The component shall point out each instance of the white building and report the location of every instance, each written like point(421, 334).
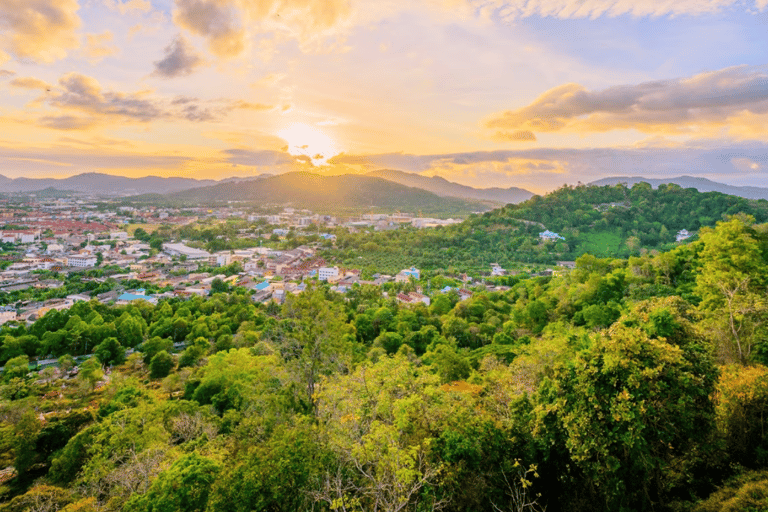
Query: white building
point(683, 234)
point(325, 273)
point(118, 235)
point(81, 261)
point(184, 250)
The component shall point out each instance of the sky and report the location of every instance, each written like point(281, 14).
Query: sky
point(486, 93)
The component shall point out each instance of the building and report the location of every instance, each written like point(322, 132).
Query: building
point(184, 250)
point(81, 261)
point(405, 275)
point(683, 234)
point(118, 235)
point(548, 235)
point(326, 273)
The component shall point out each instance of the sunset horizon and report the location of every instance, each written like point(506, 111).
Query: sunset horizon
point(498, 93)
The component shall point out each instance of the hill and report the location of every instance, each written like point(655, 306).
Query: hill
point(604, 221)
point(105, 184)
point(445, 188)
point(330, 194)
point(700, 184)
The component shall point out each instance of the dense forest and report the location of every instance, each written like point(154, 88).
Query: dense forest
point(625, 384)
point(609, 221)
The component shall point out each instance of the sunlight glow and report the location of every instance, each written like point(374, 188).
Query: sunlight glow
point(308, 141)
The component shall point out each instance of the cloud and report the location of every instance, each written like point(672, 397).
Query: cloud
point(84, 93)
point(94, 105)
point(4, 73)
point(226, 24)
point(511, 10)
point(97, 46)
point(259, 158)
point(543, 169)
point(67, 122)
point(39, 30)
point(29, 83)
point(124, 7)
point(41, 161)
point(685, 105)
point(180, 59)
point(247, 105)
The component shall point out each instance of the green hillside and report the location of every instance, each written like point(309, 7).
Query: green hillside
point(604, 221)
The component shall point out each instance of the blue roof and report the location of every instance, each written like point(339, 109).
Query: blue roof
point(262, 286)
point(133, 296)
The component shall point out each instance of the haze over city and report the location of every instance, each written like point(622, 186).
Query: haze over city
point(483, 93)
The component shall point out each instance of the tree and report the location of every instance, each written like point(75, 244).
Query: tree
point(66, 363)
point(110, 352)
point(90, 372)
point(154, 345)
point(161, 365)
point(18, 367)
point(628, 406)
point(317, 339)
point(184, 486)
point(732, 284)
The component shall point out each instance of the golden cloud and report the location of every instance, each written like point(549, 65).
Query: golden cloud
point(29, 83)
point(226, 24)
point(97, 46)
point(698, 105)
point(39, 30)
point(569, 9)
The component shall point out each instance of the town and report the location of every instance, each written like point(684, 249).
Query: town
point(109, 249)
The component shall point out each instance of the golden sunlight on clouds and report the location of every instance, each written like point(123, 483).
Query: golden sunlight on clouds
point(733, 98)
point(39, 30)
point(305, 141)
point(226, 24)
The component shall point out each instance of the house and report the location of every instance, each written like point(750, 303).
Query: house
point(548, 236)
point(412, 298)
point(496, 270)
point(81, 261)
point(326, 273)
point(405, 275)
point(464, 294)
point(261, 286)
point(683, 234)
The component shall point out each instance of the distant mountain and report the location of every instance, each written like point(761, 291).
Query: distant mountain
point(329, 193)
point(106, 184)
point(700, 184)
point(445, 188)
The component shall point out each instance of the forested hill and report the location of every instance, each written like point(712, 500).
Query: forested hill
point(617, 213)
point(331, 194)
point(609, 221)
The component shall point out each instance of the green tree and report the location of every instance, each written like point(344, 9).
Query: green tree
point(732, 284)
point(185, 486)
point(160, 365)
point(18, 367)
point(90, 372)
point(110, 352)
point(629, 406)
point(317, 339)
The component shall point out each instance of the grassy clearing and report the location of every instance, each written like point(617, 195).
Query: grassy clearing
point(601, 244)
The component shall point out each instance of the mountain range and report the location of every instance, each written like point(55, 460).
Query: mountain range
point(444, 188)
point(105, 184)
point(700, 184)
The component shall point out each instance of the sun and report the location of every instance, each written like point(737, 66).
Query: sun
point(308, 141)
